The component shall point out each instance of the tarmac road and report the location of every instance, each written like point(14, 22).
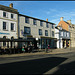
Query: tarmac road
point(63, 63)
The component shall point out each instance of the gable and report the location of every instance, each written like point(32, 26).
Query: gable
point(64, 25)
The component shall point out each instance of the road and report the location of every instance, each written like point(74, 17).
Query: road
point(39, 64)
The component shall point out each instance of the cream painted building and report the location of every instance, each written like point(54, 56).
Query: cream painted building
point(41, 31)
point(8, 24)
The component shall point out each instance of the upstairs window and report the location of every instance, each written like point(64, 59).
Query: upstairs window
point(61, 33)
point(4, 14)
point(27, 30)
point(41, 23)
point(52, 33)
point(12, 16)
point(4, 25)
point(26, 20)
point(52, 26)
point(12, 26)
point(47, 25)
point(40, 31)
point(34, 22)
point(46, 32)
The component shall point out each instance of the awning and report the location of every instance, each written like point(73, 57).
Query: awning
point(4, 40)
point(21, 40)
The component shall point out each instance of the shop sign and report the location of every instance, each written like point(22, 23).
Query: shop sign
point(4, 33)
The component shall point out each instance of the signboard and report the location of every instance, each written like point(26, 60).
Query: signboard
point(4, 33)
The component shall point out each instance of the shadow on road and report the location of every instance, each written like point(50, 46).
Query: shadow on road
point(68, 68)
point(38, 66)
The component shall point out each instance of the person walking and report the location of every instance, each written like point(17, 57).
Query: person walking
point(23, 49)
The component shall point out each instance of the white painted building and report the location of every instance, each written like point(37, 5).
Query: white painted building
point(8, 23)
point(63, 37)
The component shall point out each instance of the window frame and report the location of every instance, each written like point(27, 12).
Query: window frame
point(13, 27)
point(12, 17)
point(40, 31)
point(47, 25)
point(52, 33)
point(34, 22)
point(27, 20)
point(25, 30)
point(46, 32)
point(41, 23)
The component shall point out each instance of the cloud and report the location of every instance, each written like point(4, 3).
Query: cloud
point(67, 14)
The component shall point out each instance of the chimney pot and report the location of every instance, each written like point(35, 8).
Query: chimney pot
point(47, 19)
point(61, 18)
point(11, 5)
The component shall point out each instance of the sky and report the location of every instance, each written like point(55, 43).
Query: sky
point(52, 10)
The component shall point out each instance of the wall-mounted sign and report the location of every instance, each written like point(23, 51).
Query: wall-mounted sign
point(4, 33)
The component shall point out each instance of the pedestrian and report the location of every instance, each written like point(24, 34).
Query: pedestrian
point(23, 49)
point(29, 48)
point(48, 46)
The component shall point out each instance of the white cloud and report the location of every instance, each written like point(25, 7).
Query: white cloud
point(68, 15)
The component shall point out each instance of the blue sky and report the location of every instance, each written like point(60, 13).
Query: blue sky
point(52, 10)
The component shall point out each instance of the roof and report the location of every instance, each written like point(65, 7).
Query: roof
point(37, 19)
point(9, 9)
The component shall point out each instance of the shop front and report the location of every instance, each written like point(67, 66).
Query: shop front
point(44, 42)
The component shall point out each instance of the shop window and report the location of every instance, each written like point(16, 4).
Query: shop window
point(4, 43)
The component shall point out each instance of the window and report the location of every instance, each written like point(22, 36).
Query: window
point(52, 33)
point(12, 26)
point(47, 25)
point(67, 34)
point(26, 20)
point(4, 14)
point(40, 31)
point(4, 43)
point(41, 23)
point(4, 25)
point(12, 16)
point(34, 22)
point(26, 30)
point(61, 33)
point(52, 26)
point(46, 32)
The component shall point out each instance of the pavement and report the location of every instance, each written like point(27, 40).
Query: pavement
point(42, 51)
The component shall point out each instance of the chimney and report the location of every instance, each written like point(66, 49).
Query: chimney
point(61, 18)
point(69, 21)
point(11, 5)
point(47, 19)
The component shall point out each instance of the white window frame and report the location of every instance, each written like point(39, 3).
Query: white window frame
point(6, 14)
